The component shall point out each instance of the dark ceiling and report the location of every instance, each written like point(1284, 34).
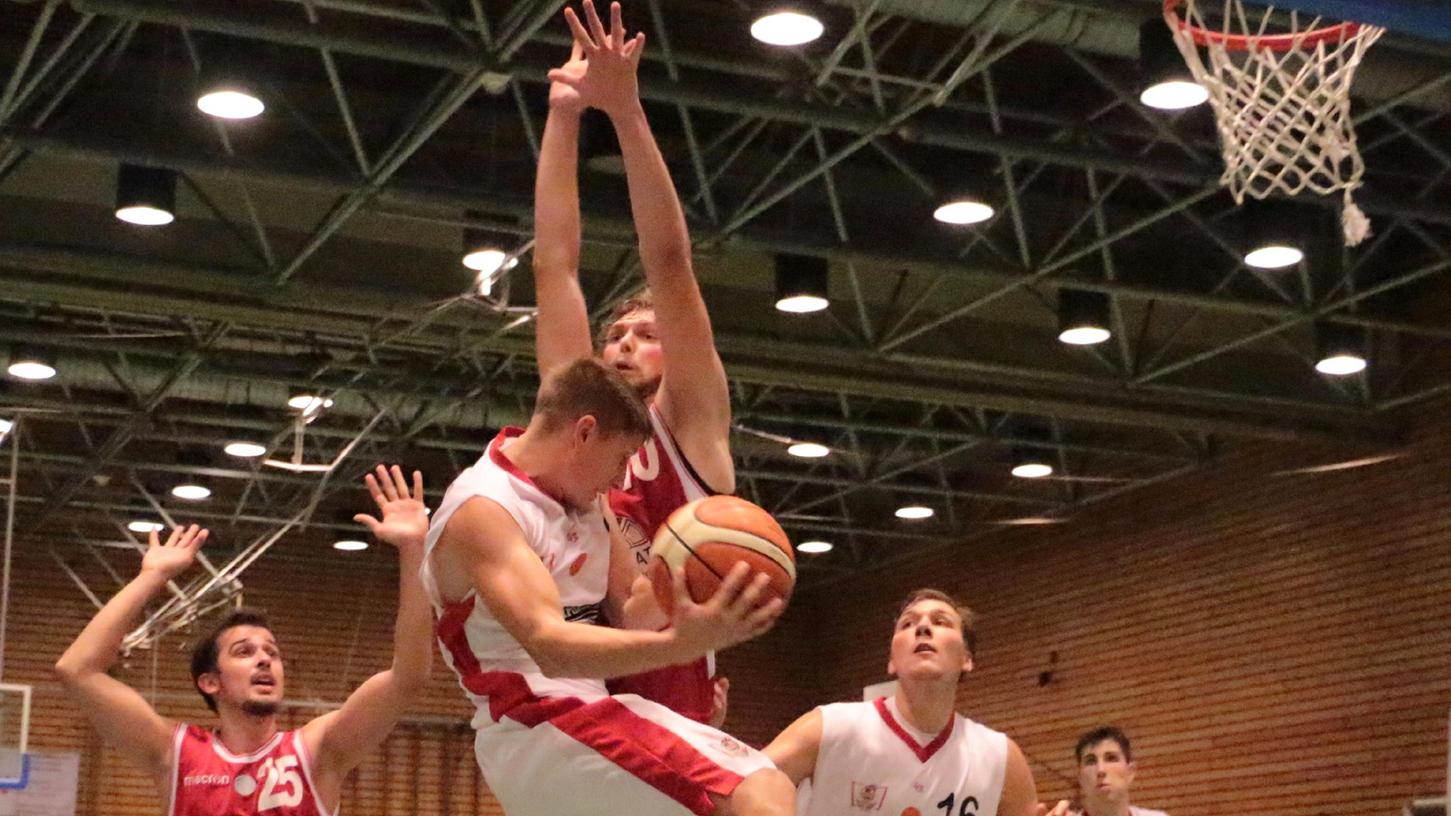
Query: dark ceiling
point(317, 248)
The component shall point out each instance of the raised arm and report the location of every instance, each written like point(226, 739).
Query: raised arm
point(483, 540)
point(562, 333)
point(694, 396)
point(341, 739)
point(794, 750)
point(118, 712)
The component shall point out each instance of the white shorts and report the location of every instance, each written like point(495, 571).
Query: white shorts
point(619, 755)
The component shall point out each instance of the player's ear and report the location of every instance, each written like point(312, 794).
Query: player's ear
point(585, 429)
point(209, 683)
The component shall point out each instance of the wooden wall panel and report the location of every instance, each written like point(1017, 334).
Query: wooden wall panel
point(1274, 644)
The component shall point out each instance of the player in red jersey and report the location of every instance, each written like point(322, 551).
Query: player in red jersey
point(246, 765)
point(661, 342)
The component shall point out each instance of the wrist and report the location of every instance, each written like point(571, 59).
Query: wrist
point(628, 113)
point(152, 577)
point(566, 113)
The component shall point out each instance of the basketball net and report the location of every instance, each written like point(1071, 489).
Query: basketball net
point(1281, 99)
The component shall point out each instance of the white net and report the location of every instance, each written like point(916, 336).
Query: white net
point(1279, 84)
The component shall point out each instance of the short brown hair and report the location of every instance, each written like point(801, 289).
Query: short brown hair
point(588, 387)
point(205, 653)
point(640, 301)
point(969, 618)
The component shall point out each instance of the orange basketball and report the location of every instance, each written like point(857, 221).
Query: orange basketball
point(708, 537)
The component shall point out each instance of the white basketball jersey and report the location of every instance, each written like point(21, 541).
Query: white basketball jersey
point(870, 763)
point(573, 545)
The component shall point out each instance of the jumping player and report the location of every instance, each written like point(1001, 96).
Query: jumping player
point(661, 342)
point(245, 765)
point(520, 565)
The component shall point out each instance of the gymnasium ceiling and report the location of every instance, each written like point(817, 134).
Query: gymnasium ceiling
point(317, 249)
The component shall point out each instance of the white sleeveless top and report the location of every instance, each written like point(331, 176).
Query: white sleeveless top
point(870, 762)
point(493, 668)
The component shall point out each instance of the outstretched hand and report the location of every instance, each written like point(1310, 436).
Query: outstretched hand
point(563, 95)
point(177, 554)
point(608, 80)
point(404, 521)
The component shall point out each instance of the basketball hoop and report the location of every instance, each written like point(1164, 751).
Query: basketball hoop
point(1280, 90)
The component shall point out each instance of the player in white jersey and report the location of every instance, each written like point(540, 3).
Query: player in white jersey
point(520, 564)
point(910, 754)
point(1106, 771)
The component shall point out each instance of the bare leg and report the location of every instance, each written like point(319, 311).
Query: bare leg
point(764, 793)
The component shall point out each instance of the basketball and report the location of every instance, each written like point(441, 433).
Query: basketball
point(708, 537)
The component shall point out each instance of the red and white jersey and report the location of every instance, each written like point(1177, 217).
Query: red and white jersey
point(658, 481)
point(870, 762)
point(574, 545)
point(209, 780)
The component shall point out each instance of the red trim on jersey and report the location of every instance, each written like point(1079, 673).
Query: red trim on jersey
point(496, 455)
point(923, 752)
point(454, 637)
point(649, 751)
point(654, 754)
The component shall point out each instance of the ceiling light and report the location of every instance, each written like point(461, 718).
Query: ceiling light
point(814, 547)
point(145, 196)
point(914, 512)
point(145, 527)
point(31, 364)
point(1030, 521)
point(192, 491)
point(230, 103)
point(308, 404)
point(1167, 83)
point(1341, 350)
point(808, 450)
point(963, 211)
point(801, 283)
point(1083, 317)
point(786, 27)
point(350, 545)
point(5, 427)
point(1032, 462)
point(1273, 256)
point(1273, 232)
point(244, 449)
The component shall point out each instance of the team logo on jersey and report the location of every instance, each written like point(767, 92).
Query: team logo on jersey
point(867, 797)
point(732, 747)
point(636, 538)
point(911, 811)
point(578, 564)
point(245, 785)
point(206, 779)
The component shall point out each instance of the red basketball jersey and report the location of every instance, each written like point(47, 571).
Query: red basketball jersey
point(659, 480)
point(209, 780)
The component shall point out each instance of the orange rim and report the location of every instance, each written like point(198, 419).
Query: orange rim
point(1249, 42)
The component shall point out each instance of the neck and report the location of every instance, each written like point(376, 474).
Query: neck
point(926, 707)
point(539, 456)
point(1100, 806)
point(244, 733)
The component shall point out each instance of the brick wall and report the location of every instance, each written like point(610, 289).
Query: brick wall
point(1274, 644)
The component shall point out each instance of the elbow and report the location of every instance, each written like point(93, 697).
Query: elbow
point(673, 257)
point(551, 661)
point(67, 671)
